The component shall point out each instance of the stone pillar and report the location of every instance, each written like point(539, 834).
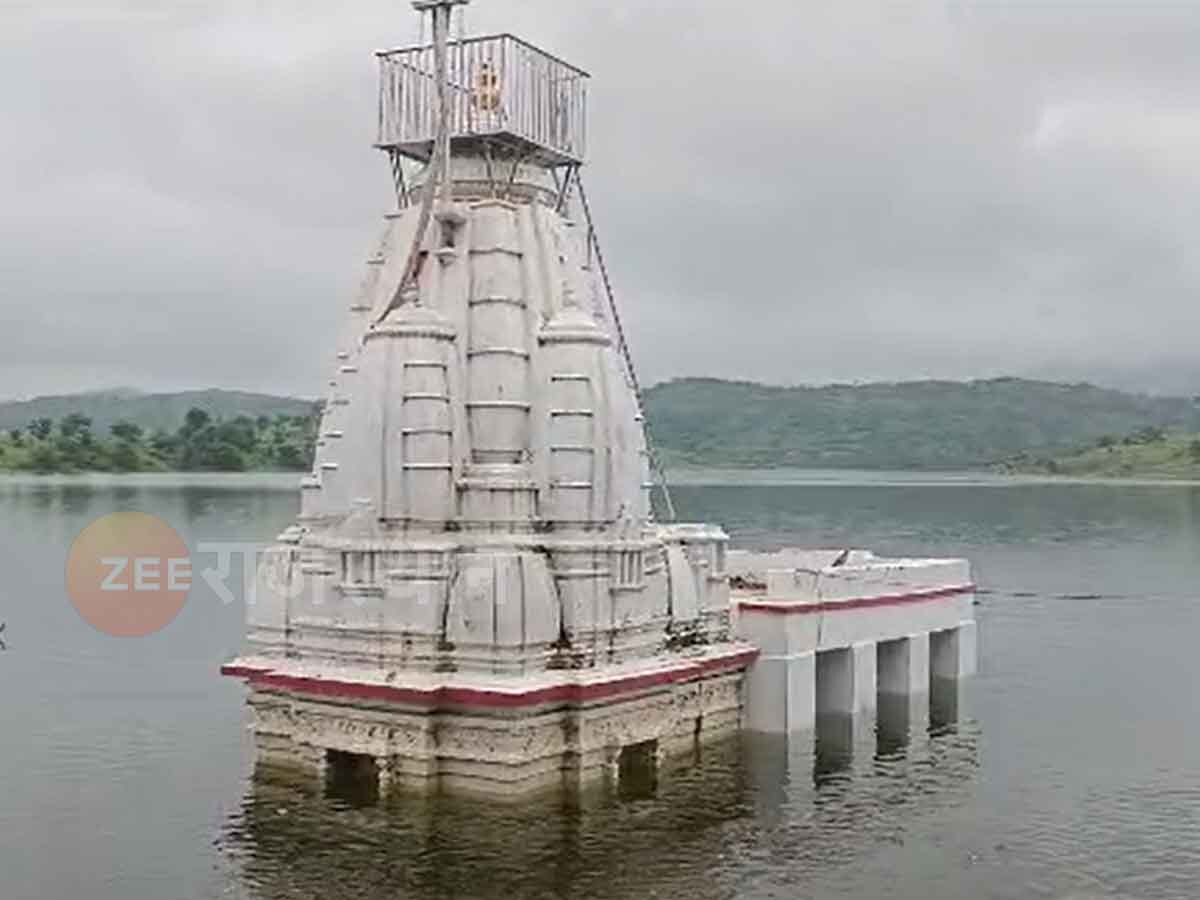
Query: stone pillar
point(903, 666)
point(385, 775)
point(953, 652)
point(866, 682)
point(846, 680)
point(781, 693)
point(781, 685)
point(968, 649)
point(918, 664)
point(835, 682)
point(313, 759)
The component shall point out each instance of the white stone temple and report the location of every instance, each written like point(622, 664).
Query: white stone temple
point(476, 595)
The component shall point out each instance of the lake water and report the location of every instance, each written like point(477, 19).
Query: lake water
point(1070, 768)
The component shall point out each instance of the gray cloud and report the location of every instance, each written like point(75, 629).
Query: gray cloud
point(807, 193)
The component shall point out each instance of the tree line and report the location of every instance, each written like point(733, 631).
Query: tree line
point(201, 444)
point(1148, 450)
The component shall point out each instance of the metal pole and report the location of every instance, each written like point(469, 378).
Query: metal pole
point(439, 162)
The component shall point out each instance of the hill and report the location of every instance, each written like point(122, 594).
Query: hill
point(1018, 423)
point(1148, 453)
point(910, 425)
point(153, 412)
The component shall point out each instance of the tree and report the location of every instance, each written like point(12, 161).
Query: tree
point(290, 457)
point(75, 444)
point(165, 447)
point(240, 433)
point(124, 457)
point(127, 432)
point(125, 454)
point(44, 459)
point(225, 458)
point(41, 428)
point(1148, 435)
point(75, 426)
point(196, 420)
point(1194, 449)
point(202, 442)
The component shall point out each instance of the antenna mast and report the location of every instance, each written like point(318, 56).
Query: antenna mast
point(437, 181)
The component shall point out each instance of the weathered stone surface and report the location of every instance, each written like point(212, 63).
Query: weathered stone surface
point(479, 508)
point(475, 595)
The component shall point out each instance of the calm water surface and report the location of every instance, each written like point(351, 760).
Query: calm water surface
point(1071, 768)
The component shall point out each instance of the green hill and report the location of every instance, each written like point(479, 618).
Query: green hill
point(1147, 453)
point(153, 412)
point(175, 432)
point(911, 425)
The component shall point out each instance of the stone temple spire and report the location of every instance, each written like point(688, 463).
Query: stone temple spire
point(475, 591)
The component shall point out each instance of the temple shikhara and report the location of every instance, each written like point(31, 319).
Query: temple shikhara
point(486, 589)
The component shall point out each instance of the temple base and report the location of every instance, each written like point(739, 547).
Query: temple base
point(567, 732)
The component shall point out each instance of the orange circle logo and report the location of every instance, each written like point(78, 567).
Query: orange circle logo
point(128, 574)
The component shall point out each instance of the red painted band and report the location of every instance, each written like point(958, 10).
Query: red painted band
point(794, 608)
point(477, 697)
point(245, 672)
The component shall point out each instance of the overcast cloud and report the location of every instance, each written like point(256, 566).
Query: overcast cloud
point(808, 192)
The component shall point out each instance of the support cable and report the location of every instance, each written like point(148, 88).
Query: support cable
point(439, 163)
point(627, 357)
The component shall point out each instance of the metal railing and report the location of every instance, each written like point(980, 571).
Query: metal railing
point(500, 87)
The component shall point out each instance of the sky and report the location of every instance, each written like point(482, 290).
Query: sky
point(790, 192)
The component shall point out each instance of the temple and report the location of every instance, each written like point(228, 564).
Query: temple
point(477, 594)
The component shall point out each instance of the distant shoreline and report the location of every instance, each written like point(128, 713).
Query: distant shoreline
point(678, 477)
point(784, 476)
point(1028, 428)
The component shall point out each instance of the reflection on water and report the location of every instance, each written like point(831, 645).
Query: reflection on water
point(1068, 768)
point(945, 706)
point(894, 719)
point(696, 831)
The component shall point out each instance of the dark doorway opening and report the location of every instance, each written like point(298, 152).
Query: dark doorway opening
point(351, 777)
point(637, 770)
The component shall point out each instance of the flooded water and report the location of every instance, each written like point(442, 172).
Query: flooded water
point(1070, 769)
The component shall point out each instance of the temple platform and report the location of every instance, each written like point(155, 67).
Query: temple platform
point(838, 632)
point(817, 634)
point(493, 735)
